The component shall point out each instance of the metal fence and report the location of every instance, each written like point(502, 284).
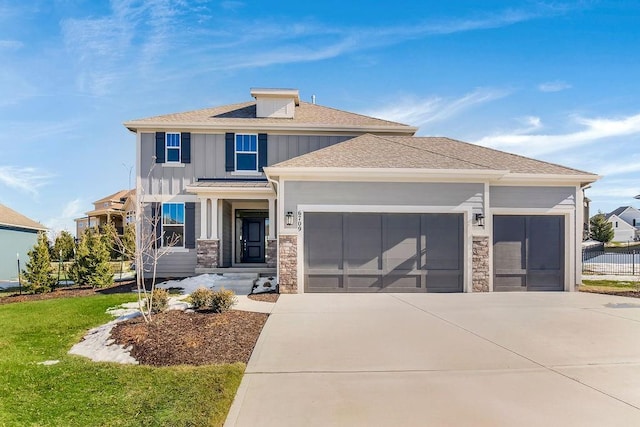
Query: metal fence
point(624, 263)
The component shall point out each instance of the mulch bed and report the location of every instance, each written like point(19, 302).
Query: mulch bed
point(191, 338)
point(264, 297)
point(71, 291)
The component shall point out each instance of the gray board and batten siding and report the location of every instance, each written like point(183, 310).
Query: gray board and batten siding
point(180, 262)
point(430, 195)
point(532, 197)
point(207, 159)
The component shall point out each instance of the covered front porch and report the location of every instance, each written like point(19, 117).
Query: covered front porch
point(236, 227)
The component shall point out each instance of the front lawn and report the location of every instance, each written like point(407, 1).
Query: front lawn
point(78, 392)
point(613, 287)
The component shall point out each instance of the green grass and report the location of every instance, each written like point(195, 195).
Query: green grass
point(609, 285)
point(78, 392)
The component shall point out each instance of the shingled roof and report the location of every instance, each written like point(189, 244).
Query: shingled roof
point(239, 116)
point(11, 218)
point(371, 151)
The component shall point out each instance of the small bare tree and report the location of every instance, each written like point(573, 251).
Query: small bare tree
point(151, 244)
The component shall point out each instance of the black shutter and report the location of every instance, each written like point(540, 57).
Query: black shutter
point(230, 152)
point(190, 225)
point(160, 146)
point(262, 151)
point(156, 223)
point(185, 149)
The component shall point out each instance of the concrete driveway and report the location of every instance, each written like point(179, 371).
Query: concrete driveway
point(445, 359)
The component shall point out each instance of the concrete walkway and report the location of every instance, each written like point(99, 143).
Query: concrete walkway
point(500, 359)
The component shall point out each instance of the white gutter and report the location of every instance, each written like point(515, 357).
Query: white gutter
point(264, 127)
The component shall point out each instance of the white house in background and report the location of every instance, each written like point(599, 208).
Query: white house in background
point(626, 223)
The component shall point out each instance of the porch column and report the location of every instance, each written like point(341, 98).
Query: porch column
point(272, 219)
point(203, 218)
point(214, 219)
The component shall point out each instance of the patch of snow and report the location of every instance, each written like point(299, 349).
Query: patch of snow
point(264, 284)
point(98, 345)
point(49, 362)
point(190, 284)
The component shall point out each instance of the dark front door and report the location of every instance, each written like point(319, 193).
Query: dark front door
point(253, 240)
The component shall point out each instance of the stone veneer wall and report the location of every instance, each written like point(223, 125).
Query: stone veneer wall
point(208, 253)
point(288, 270)
point(480, 264)
point(271, 257)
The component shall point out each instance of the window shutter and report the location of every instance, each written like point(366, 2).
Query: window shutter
point(160, 146)
point(156, 223)
point(190, 225)
point(262, 151)
point(230, 152)
point(185, 149)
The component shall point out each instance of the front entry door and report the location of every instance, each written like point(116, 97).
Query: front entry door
point(252, 240)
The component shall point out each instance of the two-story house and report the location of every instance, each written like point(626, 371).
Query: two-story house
point(116, 208)
point(333, 201)
point(626, 223)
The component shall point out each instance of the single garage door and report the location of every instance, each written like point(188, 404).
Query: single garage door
point(528, 252)
point(376, 252)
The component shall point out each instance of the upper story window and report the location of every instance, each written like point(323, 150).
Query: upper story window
point(246, 152)
point(173, 147)
point(173, 224)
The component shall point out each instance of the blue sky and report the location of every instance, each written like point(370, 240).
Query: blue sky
point(553, 80)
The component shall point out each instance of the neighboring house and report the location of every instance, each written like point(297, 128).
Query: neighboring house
point(112, 208)
point(333, 201)
point(626, 223)
point(18, 234)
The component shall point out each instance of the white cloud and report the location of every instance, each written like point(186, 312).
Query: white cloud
point(140, 36)
point(64, 221)
point(418, 112)
point(555, 86)
point(593, 129)
point(27, 180)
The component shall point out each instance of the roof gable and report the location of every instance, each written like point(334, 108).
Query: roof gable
point(12, 218)
point(243, 115)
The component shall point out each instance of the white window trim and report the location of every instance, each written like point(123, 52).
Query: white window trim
point(166, 148)
point(184, 230)
point(235, 155)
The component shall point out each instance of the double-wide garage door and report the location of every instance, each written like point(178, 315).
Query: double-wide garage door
point(378, 252)
point(528, 252)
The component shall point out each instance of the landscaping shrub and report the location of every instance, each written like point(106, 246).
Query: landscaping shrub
point(38, 272)
point(201, 298)
point(91, 266)
point(159, 300)
point(222, 300)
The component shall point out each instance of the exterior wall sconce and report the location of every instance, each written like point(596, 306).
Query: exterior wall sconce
point(479, 220)
point(288, 219)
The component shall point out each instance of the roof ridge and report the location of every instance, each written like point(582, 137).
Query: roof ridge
point(355, 114)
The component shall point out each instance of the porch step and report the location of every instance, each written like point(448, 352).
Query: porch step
point(239, 283)
point(262, 271)
point(240, 276)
